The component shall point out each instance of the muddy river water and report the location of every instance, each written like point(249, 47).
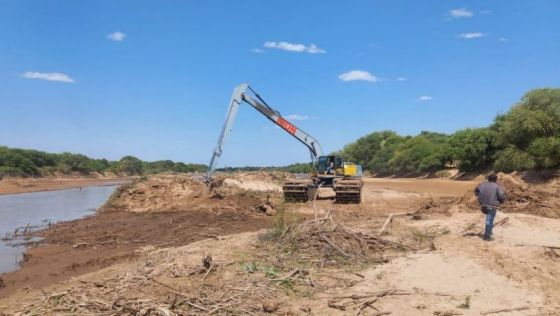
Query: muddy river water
point(37, 209)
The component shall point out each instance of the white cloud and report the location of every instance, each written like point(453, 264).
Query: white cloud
point(298, 48)
point(485, 11)
point(402, 79)
point(313, 49)
point(503, 39)
point(49, 76)
point(461, 13)
point(425, 98)
point(358, 75)
point(257, 50)
point(297, 117)
point(472, 35)
point(116, 36)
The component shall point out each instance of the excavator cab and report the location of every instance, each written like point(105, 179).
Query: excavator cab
point(330, 165)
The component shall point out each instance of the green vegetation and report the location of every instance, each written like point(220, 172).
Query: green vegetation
point(294, 168)
point(32, 163)
point(526, 137)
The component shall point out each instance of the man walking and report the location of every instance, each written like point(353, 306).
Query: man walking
point(490, 196)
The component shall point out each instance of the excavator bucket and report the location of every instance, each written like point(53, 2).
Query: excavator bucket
point(299, 190)
point(348, 190)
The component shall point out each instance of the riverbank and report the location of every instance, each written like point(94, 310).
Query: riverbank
point(24, 185)
point(411, 247)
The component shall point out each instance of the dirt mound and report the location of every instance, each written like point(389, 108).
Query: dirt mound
point(258, 181)
point(272, 177)
point(522, 197)
point(252, 185)
point(181, 192)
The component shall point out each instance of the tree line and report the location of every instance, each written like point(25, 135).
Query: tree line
point(33, 163)
point(526, 137)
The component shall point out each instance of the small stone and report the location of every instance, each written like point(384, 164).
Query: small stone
point(270, 307)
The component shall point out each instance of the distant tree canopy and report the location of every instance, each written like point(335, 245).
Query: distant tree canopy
point(526, 137)
point(294, 168)
point(29, 163)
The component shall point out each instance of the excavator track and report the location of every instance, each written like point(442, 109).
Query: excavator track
point(348, 191)
point(299, 190)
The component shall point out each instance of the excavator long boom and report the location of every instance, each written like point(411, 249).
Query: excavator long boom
point(242, 93)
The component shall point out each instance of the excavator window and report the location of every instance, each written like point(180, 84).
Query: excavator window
point(338, 162)
point(325, 161)
point(323, 164)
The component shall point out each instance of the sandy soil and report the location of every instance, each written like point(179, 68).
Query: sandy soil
point(22, 185)
point(143, 254)
point(435, 187)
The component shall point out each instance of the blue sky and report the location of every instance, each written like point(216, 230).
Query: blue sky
point(153, 78)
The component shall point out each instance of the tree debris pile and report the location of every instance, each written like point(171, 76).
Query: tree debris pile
point(141, 296)
point(539, 200)
point(163, 289)
point(327, 242)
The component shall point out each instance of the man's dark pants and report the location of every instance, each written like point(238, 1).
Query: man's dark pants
point(490, 212)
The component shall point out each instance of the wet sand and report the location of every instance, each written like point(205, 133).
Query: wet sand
point(19, 185)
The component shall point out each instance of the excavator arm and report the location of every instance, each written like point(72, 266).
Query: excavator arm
point(244, 93)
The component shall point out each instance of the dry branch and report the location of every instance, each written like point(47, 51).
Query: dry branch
point(389, 220)
point(503, 310)
point(335, 247)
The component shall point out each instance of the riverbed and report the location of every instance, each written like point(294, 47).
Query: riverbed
point(36, 210)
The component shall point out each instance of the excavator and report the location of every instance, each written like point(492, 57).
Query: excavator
point(345, 178)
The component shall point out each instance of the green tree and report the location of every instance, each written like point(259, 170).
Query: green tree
point(545, 151)
point(15, 161)
point(159, 166)
point(363, 150)
point(513, 159)
point(68, 162)
point(97, 165)
point(379, 163)
point(419, 154)
point(473, 148)
point(537, 115)
point(130, 165)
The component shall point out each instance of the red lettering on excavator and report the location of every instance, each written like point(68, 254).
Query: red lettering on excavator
point(286, 125)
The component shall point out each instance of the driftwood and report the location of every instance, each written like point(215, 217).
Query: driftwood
point(335, 247)
point(387, 222)
point(501, 222)
point(503, 310)
point(364, 300)
point(292, 274)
